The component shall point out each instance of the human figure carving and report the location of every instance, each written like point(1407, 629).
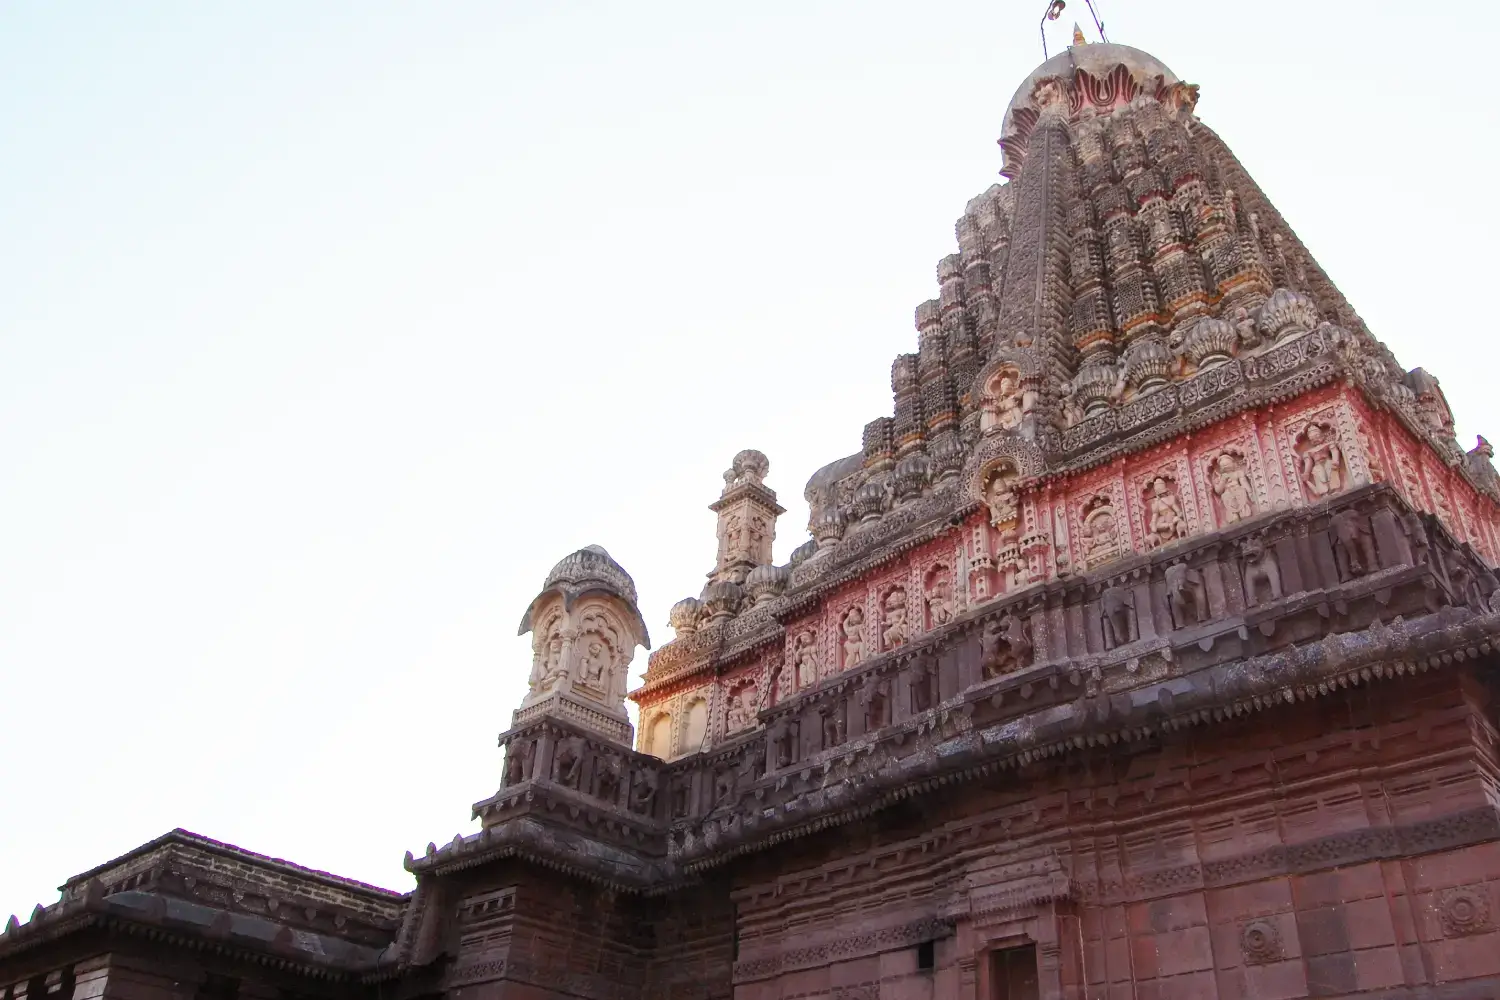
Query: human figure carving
point(1232, 486)
point(549, 671)
point(895, 632)
point(853, 627)
point(596, 661)
point(643, 792)
point(1353, 544)
point(1100, 533)
point(569, 764)
point(741, 708)
point(1165, 522)
point(1185, 595)
point(1261, 572)
point(999, 497)
point(805, 657)
point(1322, 462)
point(1114, 616)
point(939, 597)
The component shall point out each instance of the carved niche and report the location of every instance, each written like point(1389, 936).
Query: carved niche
point(922, 683)
point(875, 699)
point(1320, 459)
point(1116, 616)
point(599, 645)
point(1100, 534)
point(1005, 399)
point(938, 596)
point(743, 703)
point(1229, 477)
point(1162, 503)
point(783, 738)
point(518, 761)
point(567, 765)
point(548, 666)
point(607, 778)
point(896, 629)
point(1186, 597)
point(643, 792)
point(1353, 544)
point(831, 719)
point(1262, 575)
point(1000, 493)
point(852, 632)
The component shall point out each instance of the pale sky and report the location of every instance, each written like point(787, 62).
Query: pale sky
point(327, 328)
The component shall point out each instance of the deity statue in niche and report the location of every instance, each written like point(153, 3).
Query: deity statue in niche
point(1007, 401)
point(1321, 461)
point(939, 596)
point(896, 631)
point(741, 710)
point(1100, 531)
point(1164, 520)
point(595, 662)
point(548, 670)
point(1000, 495)
point(805, 659)
point(853, 627)
point(1231, 485)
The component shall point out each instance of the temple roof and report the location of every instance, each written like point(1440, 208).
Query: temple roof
point(590, 570)
point(1098, 61)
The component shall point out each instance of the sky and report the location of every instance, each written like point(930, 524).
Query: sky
point(327, 329)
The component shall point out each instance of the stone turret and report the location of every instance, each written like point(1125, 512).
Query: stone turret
point(585, 626)
point(747, 512)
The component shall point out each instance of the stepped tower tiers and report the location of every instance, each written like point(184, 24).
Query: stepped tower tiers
point(1148, 648)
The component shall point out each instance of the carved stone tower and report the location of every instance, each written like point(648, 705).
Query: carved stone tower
point(585, 627)
point(747, 512)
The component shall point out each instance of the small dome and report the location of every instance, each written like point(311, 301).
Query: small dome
point(765, 582)
point(684, 615)
point(590, 570)
point(1097, 60)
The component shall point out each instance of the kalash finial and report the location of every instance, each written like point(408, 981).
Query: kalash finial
point(1078, 38)
point(1054, 11)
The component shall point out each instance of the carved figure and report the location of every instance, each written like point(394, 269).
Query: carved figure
point(895, 632)
point(518, 762)
point(741, 710)
point(1008, 403)
point(999, 496)
point(784, 740)
point(724, 787)
point(875, 696)
point(643, 792)
point(679, 799)
point(1101, 540)
point(922, 684)
point(832, 719)
point(549, 670)
point(568, 766)
point(939, 597)
point(1353, 544)
point(1416, 533)
point(1115, 607)
point(1232, 486)
point(853, 627)
point(1185, 595)
point(1322, 462)
point(596, 660)
point(805, 657)
point(1165, 522)
point(1261, 571)
point(1005, 646)
point(607, 780)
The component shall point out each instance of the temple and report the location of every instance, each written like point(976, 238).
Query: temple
point(1144, 649)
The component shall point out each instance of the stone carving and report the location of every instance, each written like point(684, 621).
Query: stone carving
point(607, 777)
point(684, 616)
point(518, 761)
point(548, 669)
point(1000, 496)
point(895, 632)
point(741, 710)
point(1005, 646)
point(1260, 941)
point(681, 799)
point(938, 596)
point(1261, 572)
point(1415, 527)
point(853, 629)
point(783, 736)
point(875, 698)
point(1231, 486)
point(1185, 595)
point(725, 787)
point(1464, 910)
point(643, 792)
point(1007, 401)
point(831, 720)
point(805, 659)
point(568, 765)
point(1320, 460)
point(1100, 533)
point(1116, 614)
point(1353, 544)
point(1164, 520)
point(748, 467)
point(923, 684)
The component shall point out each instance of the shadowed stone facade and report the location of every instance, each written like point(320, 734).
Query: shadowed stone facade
point(1146, 649)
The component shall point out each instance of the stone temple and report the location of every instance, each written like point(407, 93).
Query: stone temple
point(1143, 650)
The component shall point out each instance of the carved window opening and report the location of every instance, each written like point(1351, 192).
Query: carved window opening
point(695, 731)
point(1013, 974)
point(926, 956)
point(659, 736)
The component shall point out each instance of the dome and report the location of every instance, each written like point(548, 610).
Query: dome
point(590, 570)
point(1097, 60)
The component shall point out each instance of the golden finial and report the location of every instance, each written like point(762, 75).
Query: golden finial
point(1078, 38)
